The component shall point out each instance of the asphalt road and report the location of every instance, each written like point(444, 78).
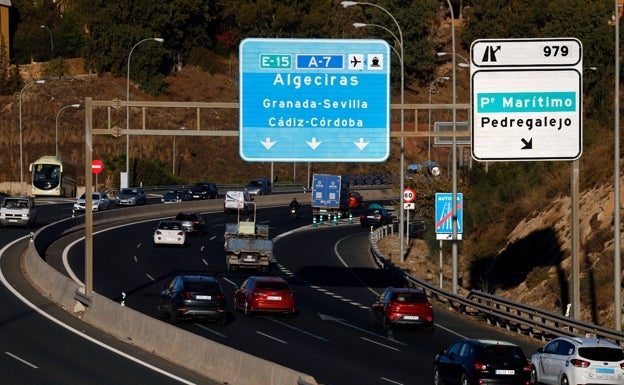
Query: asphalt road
point(334, 280)
point(43, 344)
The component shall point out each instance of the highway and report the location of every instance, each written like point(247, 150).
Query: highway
point(43, 344)
point(334, 280)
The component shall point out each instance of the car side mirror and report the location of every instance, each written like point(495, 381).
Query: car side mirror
point(540, 350)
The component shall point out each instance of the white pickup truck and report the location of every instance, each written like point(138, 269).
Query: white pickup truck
point(18, 211)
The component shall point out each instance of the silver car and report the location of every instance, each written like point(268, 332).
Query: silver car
point(131, 196)
point(99, 202)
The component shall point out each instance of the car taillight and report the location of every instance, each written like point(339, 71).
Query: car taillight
point(579, 363)
point(158, 232)
point(622, 366)
point(526, 368)
point(185, 295)
point(479, 366)
point(180, 233)
point(195, 222)
point(219, 296)
point(362, 216)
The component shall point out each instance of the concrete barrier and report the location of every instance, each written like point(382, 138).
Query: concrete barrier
point(211, 359)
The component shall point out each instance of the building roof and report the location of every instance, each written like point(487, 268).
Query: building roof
point(6, 3)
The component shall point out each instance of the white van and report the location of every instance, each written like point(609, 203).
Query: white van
point(18, 211)
point(238, 200)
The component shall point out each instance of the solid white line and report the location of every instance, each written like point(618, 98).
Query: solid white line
point(380, 344)
point(150, 277)
point(299, 330)
point(271, 337)
point(22, 360)
point(393, 382)
point(77, 332)
point(211, 330)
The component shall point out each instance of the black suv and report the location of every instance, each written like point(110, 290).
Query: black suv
point(193, 296)
point(468, 361)
point(204, 190)
point(192, 222)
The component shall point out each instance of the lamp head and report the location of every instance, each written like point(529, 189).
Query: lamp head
point(348, 3)
point(442, 53)
point(76, 105)
point(359, 25)
point(159, 39)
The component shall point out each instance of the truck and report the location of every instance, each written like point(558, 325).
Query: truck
point(330, 194)
point(247, 245)
point(237, 201)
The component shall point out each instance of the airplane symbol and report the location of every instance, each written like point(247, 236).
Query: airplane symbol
point(355, 61)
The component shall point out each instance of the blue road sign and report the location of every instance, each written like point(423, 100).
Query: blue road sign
point(444, 213)
point(314, 100)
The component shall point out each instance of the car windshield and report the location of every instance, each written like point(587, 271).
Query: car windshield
point(598, 353)
point(254, 183)
point(129, 191)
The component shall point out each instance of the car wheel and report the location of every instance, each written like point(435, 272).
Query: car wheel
point(161, 311)
point(436, 376)
point(564, 380)
point(222, 321)
point(464, 380)
point(246, 309)
point(175, 317)
point(533, 379)
point(385, 324)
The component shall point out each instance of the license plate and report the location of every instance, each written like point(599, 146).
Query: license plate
point(505, 372)
point(411, 317)
point(274, 298)
point(203, 297)
point(605, 370)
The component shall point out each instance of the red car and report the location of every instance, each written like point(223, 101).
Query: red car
point(264, 294)
point(356, 200)
point(402, 307)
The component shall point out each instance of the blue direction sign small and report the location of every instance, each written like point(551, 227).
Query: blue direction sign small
point(444, 215)
point(314, 100)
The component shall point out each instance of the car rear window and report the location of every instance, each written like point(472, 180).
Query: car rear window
point(169, 226)
point(496, 353)
point(202, 287)
point(605, 354)
point(410, 297)
point(181, 217)
point(273, 286)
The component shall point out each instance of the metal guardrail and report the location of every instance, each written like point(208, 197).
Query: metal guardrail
point(498, 311)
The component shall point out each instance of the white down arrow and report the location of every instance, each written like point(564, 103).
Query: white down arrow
point(361, 144)
point(267, 143)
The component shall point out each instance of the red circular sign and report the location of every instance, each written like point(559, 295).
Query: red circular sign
point(409, 195)
point(97, 166)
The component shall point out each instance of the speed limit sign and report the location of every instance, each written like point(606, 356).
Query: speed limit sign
point(409, 195)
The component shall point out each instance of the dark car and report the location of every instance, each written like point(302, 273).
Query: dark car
point(402, 307)
point(356, 200)
point(265, 294)
point(193, 296)
point(473, 362)
point(204, 190)
point(192, 222)
point(375, 215)
point(176, 196)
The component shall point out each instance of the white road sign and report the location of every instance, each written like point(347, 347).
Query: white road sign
point(526, 99)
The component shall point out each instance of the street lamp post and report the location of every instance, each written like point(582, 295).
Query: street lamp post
point(346, 4)
point(56, 141)
point(429, 121)
point(51, 41)
point(156, 39)
point(21, 140)
point(465, 63)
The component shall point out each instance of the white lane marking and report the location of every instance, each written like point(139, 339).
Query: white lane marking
point(211, 330)
point(380, 344)
point(151, 278)
point(77, 332)
point(22, 360)
point(205, 262)
point(299, 330)
point(326, 317)
point(391, 381)
point(271, 337)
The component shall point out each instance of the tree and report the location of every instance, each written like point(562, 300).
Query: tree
point(10, 79)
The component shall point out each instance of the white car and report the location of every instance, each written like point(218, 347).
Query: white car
point(578, 360)
point(99, 202)
point(169, 233)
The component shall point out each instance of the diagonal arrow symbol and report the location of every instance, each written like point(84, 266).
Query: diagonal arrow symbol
point(528, 145)
point(267, 143)
point(314, 144)
point(361, 144)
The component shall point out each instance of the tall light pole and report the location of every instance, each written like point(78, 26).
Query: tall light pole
point(346, 4)
point(617, 262)
point(21, 136)
point(51, 40)
point(77, 105)
point(429, 121)
point(156, 39)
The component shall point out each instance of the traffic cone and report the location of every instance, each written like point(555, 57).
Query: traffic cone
point(350, 218)
point(314, 221)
